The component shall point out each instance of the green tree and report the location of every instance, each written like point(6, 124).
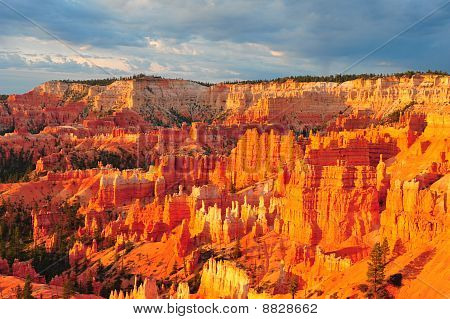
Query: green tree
point(375, 271)
point(89, 287)
point(194, 282)
point(27, 292)
point(19, 293)
point(174, 268)
point(385, 250)
point(2, 248)
point(100, 271)
point(184, 268)
point(293, 287)
point(68, 289)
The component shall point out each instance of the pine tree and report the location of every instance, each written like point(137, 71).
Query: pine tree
point(68, 289)
point(375, 272)
point(2, 248)
point(293, 286)
point(89, 287)
point(19, 293)
point(27, 292)
point(385, 250)
point(184, 268)
point(100, 271)
point(174, 268)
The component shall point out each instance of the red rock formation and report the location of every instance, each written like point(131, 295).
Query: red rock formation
point(53, 162)
point(187, 171)
point(22, 269)
point(147, 290)
point(221, 279)
point(80, 251)
point(34, 110)
point(315, 103)
point(45, 223)
point(360, 119)
point(329, 204)
point(183, 240)
point(176, 209)
point(36, 144)
point(260, 156)
point(329, 262)
point(414, 214)
point(353, 148)
point(4, 267)
point(183, 290)
point(237, 221)
point(124, 187)
point(289, 102)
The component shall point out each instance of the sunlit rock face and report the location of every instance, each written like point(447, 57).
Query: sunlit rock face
point(290, 102)
point(264, 188)
point(417, 200)
point(316, 102)
point(146, 290)
point(259, 156)
point(221, 279)
point(329, 205)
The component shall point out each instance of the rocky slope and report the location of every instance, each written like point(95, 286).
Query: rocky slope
point(292, 103)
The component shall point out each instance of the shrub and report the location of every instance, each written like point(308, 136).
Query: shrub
point(396, 280)
point(363, 287)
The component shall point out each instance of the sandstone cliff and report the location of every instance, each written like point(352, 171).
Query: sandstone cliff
point(328, 204)
point(290, 102)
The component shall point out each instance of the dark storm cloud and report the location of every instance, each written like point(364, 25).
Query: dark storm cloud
point(74, 21)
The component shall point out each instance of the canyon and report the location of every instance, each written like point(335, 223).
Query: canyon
point(163, 188)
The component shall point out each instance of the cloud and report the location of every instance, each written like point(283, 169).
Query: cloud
point(276, 53)
point(85, 47)
point(155, 67)
point(170, 46)
point(221, 40)
point(32, 53)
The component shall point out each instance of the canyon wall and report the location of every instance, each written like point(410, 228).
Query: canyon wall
point(328, 204)
point(257, 157)
point(417, 199)
point(291, 103)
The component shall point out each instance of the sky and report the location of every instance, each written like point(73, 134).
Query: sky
point(213, 41)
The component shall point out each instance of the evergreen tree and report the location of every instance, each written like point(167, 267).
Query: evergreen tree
point(375, 272)
point(174, 268)
point(194, 283)
point(117, 285)
point(100, 271)
point(27, 292)
point(68, 289)
point(89, 287)
point(19, 293)
point(293, 287)
point(385, 250)
point(184, 267)
point(2, 248)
